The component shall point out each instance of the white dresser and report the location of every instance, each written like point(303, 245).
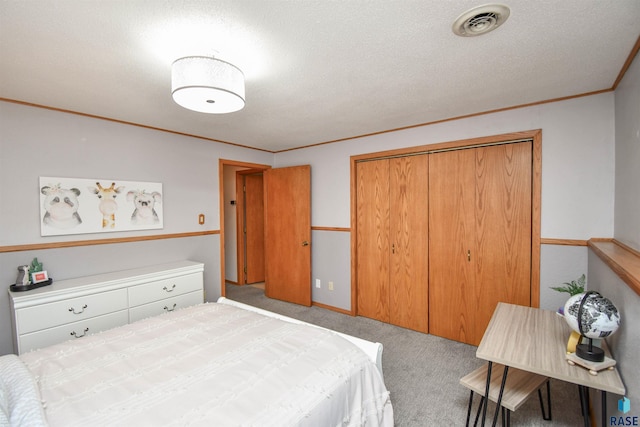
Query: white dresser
point(73, 308)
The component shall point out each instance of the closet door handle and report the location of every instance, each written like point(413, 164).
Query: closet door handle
point(393, 248)
point(469, 255)
point(305, 243)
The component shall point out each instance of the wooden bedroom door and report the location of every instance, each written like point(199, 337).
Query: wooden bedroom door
point(480, 236)
point(287, 207)
point(392, 241)
point(252, 227)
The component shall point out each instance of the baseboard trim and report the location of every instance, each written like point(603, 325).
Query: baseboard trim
point(332, 308)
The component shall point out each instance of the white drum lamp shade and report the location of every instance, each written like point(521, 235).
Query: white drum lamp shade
point(207, 85)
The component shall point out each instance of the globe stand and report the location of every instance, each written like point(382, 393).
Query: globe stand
point(593, 367)
point(589, 352)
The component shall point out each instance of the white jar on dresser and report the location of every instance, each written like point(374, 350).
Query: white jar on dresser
point(71, 309)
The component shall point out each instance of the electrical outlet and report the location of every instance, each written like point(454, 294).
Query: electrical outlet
point(330, 286)
point(318, 283)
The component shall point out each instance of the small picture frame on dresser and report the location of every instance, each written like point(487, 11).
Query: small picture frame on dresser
point(39, 276)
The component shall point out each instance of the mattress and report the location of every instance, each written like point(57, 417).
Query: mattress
point(210, 364)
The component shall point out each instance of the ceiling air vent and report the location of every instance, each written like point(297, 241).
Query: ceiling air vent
point(480, 20)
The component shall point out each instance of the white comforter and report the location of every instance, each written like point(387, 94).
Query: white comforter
point(213, 365)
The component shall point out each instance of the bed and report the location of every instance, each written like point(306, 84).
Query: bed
point(214, 364)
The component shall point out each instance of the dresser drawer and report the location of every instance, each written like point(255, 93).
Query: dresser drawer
point(85, 305)
point(161, 289)
point(166, 305)
point(76, 330)
point(31, 319)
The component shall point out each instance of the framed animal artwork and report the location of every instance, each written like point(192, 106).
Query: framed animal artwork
point(80, 205)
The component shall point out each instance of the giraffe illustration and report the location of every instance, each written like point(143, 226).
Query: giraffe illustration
point(108, 205)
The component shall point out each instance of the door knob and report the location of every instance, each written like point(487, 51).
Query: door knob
point(305, 243)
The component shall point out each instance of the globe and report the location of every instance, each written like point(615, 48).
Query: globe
point(593, 316)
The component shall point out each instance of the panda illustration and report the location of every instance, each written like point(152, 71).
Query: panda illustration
point(61, 206)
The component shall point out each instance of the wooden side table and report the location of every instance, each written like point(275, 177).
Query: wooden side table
point(534, 340)
point(520, 385)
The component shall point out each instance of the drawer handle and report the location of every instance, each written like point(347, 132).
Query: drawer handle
point(73, 310)
point(169, 290)
point(170, 309)
point(80, 336)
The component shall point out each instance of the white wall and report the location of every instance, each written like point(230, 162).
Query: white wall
point(577, 175)
point(627, 202)
point(331, 262)
point(624, 344)
point(560, 264)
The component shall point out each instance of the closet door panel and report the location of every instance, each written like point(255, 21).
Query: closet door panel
point(452, 306)
point(503, 229)
point(409, 298)
point(372, 263)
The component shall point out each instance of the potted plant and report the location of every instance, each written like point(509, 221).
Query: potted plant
point(573, 287)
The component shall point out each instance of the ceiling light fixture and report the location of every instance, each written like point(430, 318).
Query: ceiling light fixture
point(480, 20)
point(207, 85)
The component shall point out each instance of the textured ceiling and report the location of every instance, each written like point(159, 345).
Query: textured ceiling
point(316, 71)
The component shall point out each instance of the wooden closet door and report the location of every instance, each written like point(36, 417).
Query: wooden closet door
point(480, 236)
point(408, 286)
point(503, 229)
point(452, 306)
point(372, 224)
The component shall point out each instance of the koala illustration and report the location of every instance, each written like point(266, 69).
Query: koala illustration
point(61, 206)
point(144, 212)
